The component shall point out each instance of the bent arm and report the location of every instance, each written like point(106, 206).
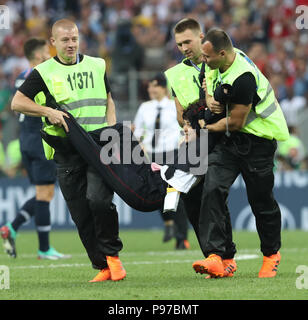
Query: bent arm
point(236, 119)
point(21, 103)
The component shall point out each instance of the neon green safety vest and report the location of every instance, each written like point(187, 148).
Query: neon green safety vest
point(81, 87)
point(293, 142)
point(267, 120)
point(184, 80)
point(13, 154)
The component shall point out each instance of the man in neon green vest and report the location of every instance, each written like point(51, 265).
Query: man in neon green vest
point(253, 123)
point(185, 80)
point(80, 82)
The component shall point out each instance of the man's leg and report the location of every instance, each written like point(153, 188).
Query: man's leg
point(106, 223)
point(9, 230)
point(215, 223)
point(73, 184)
point(215, 229)
point(25, 213)
point(259, 179)
point(104, 213)
point(44, 194)
point(192, 203)
point(181, 227)
point(168, 219)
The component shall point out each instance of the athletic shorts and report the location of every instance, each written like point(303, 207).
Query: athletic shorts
point(40, 171)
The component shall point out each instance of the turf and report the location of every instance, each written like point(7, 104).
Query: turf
point(155, 270)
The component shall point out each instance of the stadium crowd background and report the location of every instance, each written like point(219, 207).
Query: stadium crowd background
point(135, 39)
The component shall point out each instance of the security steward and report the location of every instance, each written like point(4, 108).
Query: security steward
point(253, 123)
point(185, 80)
point(79, 81)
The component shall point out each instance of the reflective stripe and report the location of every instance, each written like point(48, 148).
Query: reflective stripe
point(264, 114)
point(269, 110)
point(91, 120)
point(269, 90)
point(25, 214)
point(43, 228)
point(85, 103)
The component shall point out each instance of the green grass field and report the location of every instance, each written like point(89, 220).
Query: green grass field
point(155, 270)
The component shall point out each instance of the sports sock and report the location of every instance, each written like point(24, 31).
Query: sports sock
point(43, 226)
point(25, 213)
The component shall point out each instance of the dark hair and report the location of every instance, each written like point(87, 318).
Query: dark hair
point(194, 112)
point(32, 45)
point(160, 79)
point(219, 39)
point(187, 23)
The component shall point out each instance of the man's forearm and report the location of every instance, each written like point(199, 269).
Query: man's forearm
point(25, 105)
point(221, 125)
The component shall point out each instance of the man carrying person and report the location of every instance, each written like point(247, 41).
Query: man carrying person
point(79, 82)
point(253, 123)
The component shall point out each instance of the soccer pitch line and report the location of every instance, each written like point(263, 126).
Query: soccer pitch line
point(172, 253)
point(78, 265)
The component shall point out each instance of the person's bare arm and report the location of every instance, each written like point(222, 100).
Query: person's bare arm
point(21, 103)
point(236, 119)
point(111, 113)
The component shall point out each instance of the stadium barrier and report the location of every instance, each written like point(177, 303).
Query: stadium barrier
point(291, 190)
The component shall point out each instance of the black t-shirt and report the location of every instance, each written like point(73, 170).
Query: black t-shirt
point(244, 90)
point(35, 84)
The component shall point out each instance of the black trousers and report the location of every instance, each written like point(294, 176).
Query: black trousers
point(90, 204)
point(180, 221)
point(252, 157)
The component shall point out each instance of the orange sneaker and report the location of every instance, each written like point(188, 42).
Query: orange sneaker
point(212, 265)
point(103, 275)
point(229, 268)
point(116, 268)
point(270, 266)
point(187, 244)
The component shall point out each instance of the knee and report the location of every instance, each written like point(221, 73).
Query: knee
point(45, 193)
point(102, 204)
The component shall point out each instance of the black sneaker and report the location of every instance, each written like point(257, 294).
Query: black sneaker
point(182, 245)
point(169, 233)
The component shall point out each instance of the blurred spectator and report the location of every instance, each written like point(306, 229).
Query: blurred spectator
point(280, 19)
point(5, 91)
point(36, 23)
point(13, 164)
point(291, 153)
point(301, 79)
point(291, 107)
point(257, 53)
point(2, 157)
point(136, 34)
point(127, 53)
